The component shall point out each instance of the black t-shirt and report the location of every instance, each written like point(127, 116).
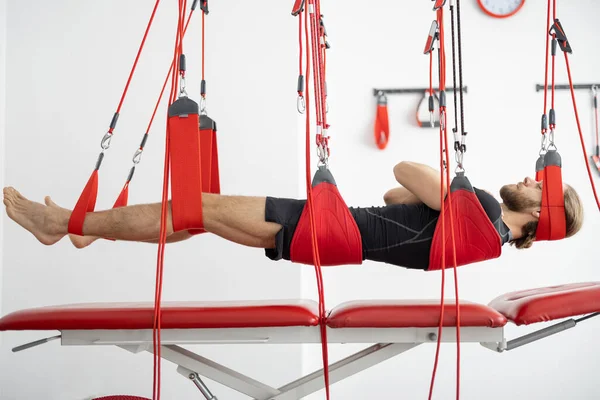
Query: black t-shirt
point(402, 234)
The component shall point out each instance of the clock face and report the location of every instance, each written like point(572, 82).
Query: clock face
point(501, 8)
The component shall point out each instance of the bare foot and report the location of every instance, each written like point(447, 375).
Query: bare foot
point(82, 241)
point(48, 223)
point(79, 242)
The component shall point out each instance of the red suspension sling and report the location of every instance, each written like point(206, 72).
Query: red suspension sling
point(190, 147)
point(476, 239)
point(326, 233)
point(87, 200)
point(209, 155)
point(464, 233)
point(552, 221)
point(338, 237)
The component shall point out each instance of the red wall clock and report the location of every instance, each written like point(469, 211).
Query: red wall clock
point(501, 8)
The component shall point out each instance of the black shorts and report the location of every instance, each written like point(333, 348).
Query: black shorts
point(285, 212)
point(398, 235)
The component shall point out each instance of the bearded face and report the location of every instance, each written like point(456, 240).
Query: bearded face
point(519, 199)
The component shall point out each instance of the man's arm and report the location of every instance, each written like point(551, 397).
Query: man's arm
point(400, 195)
point(420, 180)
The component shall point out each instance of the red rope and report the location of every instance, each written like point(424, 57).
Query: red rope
point(316, 258)
point(137, 57)
point(315, 51)
point(445, 178)
point(596, 120)
point(587, 165)
point(321, 62)
point(431, 73)
point(440, 14)
point(546, 69)
point(164, 211)
point(300, 46)
point(203, 46)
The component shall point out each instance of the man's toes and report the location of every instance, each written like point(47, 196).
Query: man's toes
point(18, 194)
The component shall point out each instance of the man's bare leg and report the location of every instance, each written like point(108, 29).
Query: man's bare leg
point(238, 219)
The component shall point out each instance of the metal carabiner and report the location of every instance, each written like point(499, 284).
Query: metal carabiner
point(203, 106)
point(322, 154)
point(182, 91)
point(543, 144)
point(105, 144)
point(443, 119)
point(137, 157)
point(301, 104)
point(551, 140)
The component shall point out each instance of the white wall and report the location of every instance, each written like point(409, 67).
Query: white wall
point(67, 65)
point(378, 44)
point(2, 126)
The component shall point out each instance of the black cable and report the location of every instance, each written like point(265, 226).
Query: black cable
point(454, 76)
point(462, 110)
point(587, 317)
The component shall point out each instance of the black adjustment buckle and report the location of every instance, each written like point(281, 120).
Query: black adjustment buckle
point(544, 123)
point(298, 7)
point(561, 36)
point(324, 32)
point(431, 38)
point(438, 4)
point(431, 100)
point(204, 6)
point(456, 142)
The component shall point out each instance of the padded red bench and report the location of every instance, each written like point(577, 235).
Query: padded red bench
point(394, 326)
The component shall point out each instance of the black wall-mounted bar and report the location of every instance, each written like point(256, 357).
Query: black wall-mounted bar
point(411, 90)
point(539, 88)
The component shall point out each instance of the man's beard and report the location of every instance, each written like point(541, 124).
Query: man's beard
point(515, 201)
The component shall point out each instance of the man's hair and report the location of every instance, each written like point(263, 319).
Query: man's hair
point(574, 220)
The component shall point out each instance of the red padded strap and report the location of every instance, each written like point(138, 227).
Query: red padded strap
point(338, 237)
point(85, 204)
point(186, 169)
point(382, 124)
point(209, 156)
point(209, 159)
point(552, 223)
point(476, 237)
point(539, 169)
point(123, 197)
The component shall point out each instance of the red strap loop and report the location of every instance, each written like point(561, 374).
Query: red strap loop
point(85, 204)
point(382, 123)
point(209, 160)
point(552, 223)
point(123, 197)
point(186, 168)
